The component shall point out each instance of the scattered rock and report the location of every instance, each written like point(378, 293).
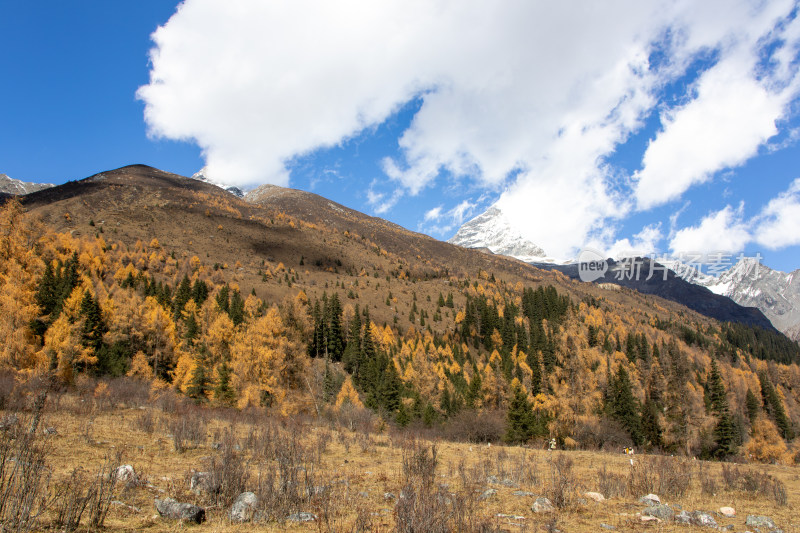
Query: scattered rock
point(662, 512)
point(683, 518)
point(118, 503)
point(522, 493)
point(607, 526)
point(200, 483)
point(488, 493)
point(543, 505)
point(650, 499)
point(169, 508)
point(760, 521)
point(389, 496)
point(125, 474)
point(648, 518)
point(301, 517)
point(728, 512)
point(363, 494)
point(702, 519)
point(596, 496)
point(510, 516)
point(244, 507)
point(492, 479)
point(50, 431)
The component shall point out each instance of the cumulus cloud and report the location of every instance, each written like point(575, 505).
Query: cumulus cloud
point(720, 231)
point(645, 243)
point(778, 224)
point(735, 105)
point(438, 221)
point(528, 98)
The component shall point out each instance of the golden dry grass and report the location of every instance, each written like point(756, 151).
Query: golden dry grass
point(360, 467)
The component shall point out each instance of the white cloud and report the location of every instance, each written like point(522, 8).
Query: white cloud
point(441, 222)
point(735, 106)
point(721, 231)
point(778, 224)
point(434, 214)
point(645, 243)
point(381, 202)
point(541, 91)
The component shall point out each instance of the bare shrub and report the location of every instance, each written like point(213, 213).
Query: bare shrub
point(425, 506)
point(81, 493)
point(708, 483)
point(128, 392)
point(24, 479)
point(101, 492)
point(594, 433)
point(229, 473)
point(524, 470)
point(260, 441)
point(562, 485)
point(145, 422)
point(288, 483)
point(188, 431)
point(476, 426)
point(755, 483)
point(610, 484)
point(71, 501)
point(355, 418)
point(421, 506)
point(9, 396)
point(323, 440)
point(169, 402)
point(669, 476)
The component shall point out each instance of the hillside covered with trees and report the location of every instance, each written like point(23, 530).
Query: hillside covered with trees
point(487, 349)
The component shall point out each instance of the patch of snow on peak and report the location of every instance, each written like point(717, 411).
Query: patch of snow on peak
point(753, 284)
point(13, 186)
point(201, 176)
point(492, 230)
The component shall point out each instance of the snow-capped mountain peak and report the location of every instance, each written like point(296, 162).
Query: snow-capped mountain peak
point(201, 176)
point(17, 187)
point(753, 284)
point(492, 230)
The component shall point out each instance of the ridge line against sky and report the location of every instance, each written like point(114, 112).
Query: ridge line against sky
point(656, 126)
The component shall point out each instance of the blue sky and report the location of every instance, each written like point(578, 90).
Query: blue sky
point(652, 126)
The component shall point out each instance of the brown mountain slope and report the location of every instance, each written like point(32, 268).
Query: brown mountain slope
point(324, 246)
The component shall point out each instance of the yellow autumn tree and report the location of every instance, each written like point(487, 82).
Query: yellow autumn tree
point(17, 309)
point(159, 336)
point(348, 395)
point(766, 445)
point(265, 364)
point(62, 345)
point(140, 368)
point(218, 337)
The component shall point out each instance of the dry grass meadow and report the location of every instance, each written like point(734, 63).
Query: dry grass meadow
point(348, 469)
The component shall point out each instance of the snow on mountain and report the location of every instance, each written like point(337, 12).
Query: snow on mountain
point(492, 230)
point(201, 176)
point(17, 187)
point(748, 282)
point(752, 284)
